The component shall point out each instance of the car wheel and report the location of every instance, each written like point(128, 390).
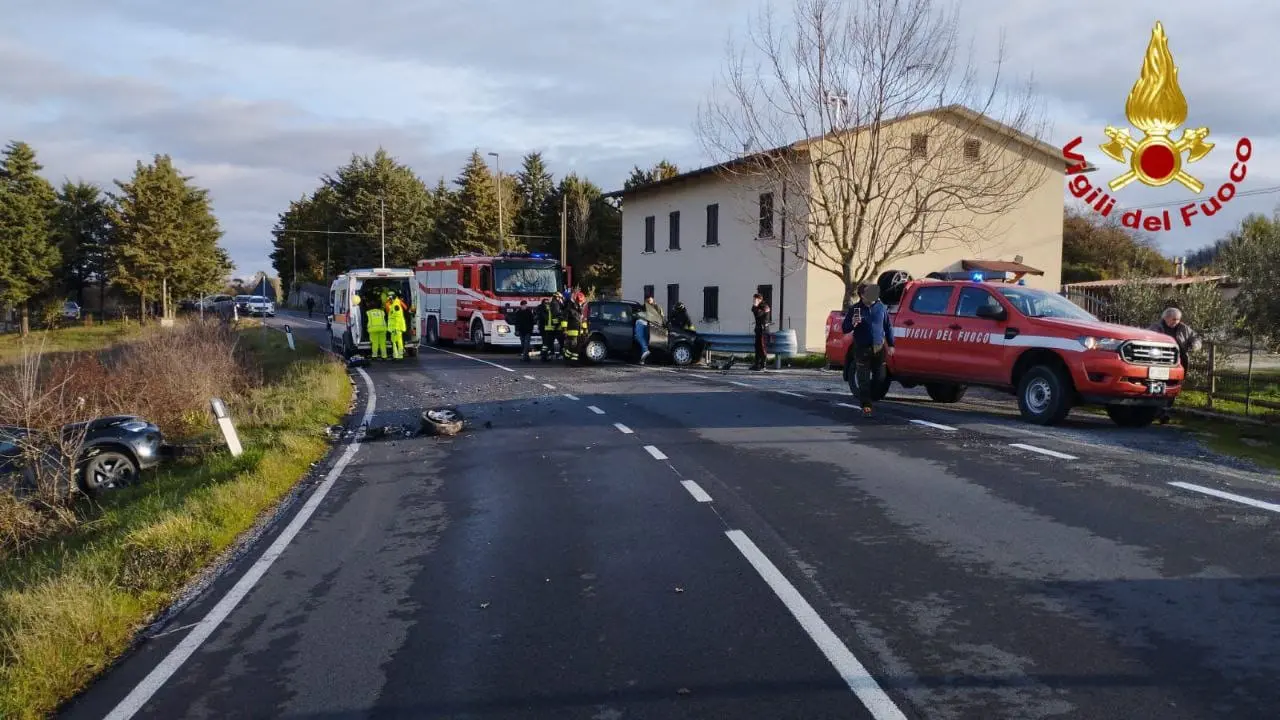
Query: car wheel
point(445, 421)
point(477, 336)
point(1044, 395)
point(596, 351)
point(106, 470)
point(433, 333)
point(682, 354)
point(945, 392)
point(1129, 416)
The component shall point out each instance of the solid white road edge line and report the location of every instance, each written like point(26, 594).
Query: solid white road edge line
point(1042, 451)
point(142, 693)
point(788, 392)
point(739, 384)
point(934, 425)
point(549, 386)
point(696, 491)
point(655, 452)
point(1228, 496)
point(854, 673)
point(571, 397)
point(595, 409)
point(469, 357)
point(623, 429)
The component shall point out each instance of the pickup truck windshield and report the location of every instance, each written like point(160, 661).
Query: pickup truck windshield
point(525, 279)
point(1040, 304)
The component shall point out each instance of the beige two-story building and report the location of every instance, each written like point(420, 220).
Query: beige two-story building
point(715, 236)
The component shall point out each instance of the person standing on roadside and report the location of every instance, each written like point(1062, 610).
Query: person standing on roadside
point(522, 320)
point(760, 317)
point(868, 320)
point(1185, 338)
point(552, 328)
point(650, 314)
point(311, 306)
point(574, 322)
point(396, 326)
point(375, 319)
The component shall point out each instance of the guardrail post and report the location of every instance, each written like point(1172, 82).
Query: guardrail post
point(228, 429)
point(1212, 385)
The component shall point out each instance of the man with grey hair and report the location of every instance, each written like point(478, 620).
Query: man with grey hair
point(1186, 339)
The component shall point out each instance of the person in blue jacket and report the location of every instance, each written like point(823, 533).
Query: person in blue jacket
point(868, 320)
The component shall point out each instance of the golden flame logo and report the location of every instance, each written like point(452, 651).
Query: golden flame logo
point(1157, 107)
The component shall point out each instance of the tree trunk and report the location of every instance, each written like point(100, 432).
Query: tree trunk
point(142, 308)
point(164, 298)
point(102, 299)
point(25, 323)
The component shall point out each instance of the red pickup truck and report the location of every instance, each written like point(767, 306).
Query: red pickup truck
point(1040, 346)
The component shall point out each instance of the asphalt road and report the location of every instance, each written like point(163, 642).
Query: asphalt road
point(626, 542)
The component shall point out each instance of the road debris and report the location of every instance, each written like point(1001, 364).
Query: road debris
point(442, 421)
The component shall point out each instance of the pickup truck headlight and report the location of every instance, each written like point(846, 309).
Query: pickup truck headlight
point(1096, 343)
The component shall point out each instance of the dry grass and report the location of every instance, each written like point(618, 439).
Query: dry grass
point(69, 606)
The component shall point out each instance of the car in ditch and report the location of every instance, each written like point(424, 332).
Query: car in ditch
point(611, 334)
point(110, 452)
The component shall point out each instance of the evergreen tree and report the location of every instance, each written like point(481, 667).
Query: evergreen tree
point(166, 236)
point(664, 170)
point(83, 234)
point(29, 256)
point(538, 221)
point(473, 222)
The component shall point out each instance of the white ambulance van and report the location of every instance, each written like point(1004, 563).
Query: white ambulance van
point(349, 296)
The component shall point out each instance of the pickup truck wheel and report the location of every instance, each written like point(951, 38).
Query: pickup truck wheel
point(945, 392)
point(1129, 416)
point(1044, 395)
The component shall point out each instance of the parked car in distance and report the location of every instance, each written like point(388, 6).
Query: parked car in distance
point(70, 310)
point(255, 306)
point(113, 451)
point(1051, 354)
point(610, 333)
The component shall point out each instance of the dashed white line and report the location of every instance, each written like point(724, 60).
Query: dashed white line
point(739, 384)
point(854, 673)
point(143, 692)
point(1228, 496)
point(847, 405)
point(700, 377)
point(549, 386)
point(571, 397)
point(696, 491)
point(936, 426)
point(470, 357)
point(1042, 451)
point(595, 409)
point(655, 452)
point(623, 429)
point(788, 392)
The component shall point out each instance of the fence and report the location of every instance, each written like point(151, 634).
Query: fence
point(1235, 377)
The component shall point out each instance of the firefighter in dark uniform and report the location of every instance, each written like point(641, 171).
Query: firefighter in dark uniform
point(575, 322)
point(551, 320)
point(680, 318)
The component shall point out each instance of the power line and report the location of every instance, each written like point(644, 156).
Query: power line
point(1247, 193)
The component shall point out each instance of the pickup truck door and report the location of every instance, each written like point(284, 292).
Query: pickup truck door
point(976, 351)
point(920, 329)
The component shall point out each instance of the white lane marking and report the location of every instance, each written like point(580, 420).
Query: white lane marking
point(549, 386)
point(623, 429)
point(847, 405)
point(595, 409)
point(696, 491)
point(530, 377)
point(571, 397)
point(739, 384)
point(933, 425)
point(655, 452)
point(469, 357)
point(700, 377)
point(854, 673)
point(1042, 451)
point(1228, 496)
point(143, 692)
point(788, 392)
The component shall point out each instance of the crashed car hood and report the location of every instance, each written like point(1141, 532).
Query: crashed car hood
point(104, 422)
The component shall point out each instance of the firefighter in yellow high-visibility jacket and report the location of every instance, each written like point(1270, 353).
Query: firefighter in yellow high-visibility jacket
point(396, 324)
point(375, 319)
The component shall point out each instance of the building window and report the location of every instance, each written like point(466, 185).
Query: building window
point(673, 297)
point(673, 239)
point(711, 303)
point(766, 214)
point(766, 291)
point(919, 145)
point(648, 292)
point(972, 149)
point(649, 225)
point(713, 224)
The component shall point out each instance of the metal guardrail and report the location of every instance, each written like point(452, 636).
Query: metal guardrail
point(779, 344)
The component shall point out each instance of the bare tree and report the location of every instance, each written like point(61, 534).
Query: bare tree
point(878, 136)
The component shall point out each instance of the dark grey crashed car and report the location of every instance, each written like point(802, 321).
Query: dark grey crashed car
point(111, 454)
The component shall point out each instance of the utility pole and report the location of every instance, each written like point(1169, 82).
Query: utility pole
point(382, 219)
point(327, 240)
point(293, 286)
point(782, 257)
point(564, 229)
point(502, 246)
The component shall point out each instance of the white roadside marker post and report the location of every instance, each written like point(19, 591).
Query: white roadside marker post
point(224, 424)
point(288, 333)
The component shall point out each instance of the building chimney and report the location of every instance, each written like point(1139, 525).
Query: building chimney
point(1017, 259)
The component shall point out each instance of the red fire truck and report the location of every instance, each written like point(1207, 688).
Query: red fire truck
point(468, 298)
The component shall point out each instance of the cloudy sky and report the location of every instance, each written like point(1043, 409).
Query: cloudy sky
point(257, 98)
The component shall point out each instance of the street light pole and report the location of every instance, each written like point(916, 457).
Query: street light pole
point(382, 219)
point(502, 246)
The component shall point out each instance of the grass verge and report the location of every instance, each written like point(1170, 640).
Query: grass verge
point(1257, 443)
point(78, 338)
point(70, 606)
